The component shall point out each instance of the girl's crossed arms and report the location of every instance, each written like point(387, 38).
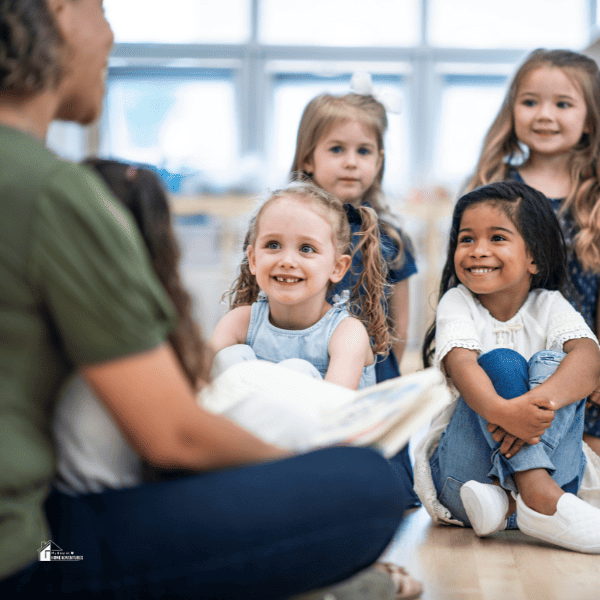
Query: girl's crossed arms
point(522, 361)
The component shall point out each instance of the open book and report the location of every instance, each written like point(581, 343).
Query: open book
point(298, 412)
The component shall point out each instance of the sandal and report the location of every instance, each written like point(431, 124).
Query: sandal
point(406, 587)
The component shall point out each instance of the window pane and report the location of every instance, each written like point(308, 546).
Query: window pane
point(340, 22)
point(293, 92)
point(184, 21)
point(509, 23)
point(186, 125)
point(68, 140)
point(466, 113)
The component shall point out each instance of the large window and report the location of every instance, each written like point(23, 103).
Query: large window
point(180, 21)
point(178, 120)
point(340, 22)
point(468, 105)
point(212, 90)
point(509, 24)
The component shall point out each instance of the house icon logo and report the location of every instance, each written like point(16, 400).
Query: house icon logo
point(49, 551)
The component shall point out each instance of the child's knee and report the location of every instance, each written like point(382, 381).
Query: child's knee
point(507, 371)
point(543, 364)
point(503, 358)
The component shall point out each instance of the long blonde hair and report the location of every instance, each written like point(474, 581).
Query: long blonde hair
point(502, 150)
point(366, 301)
point(321, 114)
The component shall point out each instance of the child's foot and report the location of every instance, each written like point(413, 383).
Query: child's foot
point(486, 506)
point(405, 587)
point(575, 524)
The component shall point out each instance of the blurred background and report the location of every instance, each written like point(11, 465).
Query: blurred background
point(210, 93)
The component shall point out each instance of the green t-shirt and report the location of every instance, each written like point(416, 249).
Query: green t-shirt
point(76, 287)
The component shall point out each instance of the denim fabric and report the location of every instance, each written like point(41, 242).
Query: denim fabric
point(467, 450)
point(264, 532)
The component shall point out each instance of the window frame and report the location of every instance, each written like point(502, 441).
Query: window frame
point(253, 62)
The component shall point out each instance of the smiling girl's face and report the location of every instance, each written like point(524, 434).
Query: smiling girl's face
point(346, 160)
point(294, 257)
point(550, 113)
point(492, 260)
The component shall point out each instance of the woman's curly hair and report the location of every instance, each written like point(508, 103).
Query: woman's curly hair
point(30, 47)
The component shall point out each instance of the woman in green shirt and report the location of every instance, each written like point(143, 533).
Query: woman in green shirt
point(79, 294)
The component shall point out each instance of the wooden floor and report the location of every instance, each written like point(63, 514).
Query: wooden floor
point(454, 564)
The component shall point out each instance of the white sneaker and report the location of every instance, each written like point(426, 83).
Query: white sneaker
point(486, 506)
point(575, 524)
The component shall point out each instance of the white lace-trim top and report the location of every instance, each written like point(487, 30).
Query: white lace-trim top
point(545, 322)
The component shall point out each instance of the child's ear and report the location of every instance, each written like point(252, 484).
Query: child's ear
point(341, 266)
point(531, 266)
point(308, 165)
point(251, 259)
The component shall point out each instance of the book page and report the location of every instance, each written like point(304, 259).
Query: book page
point(298, 412)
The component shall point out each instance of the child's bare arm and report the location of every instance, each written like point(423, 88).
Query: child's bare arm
point(557, 388)
point(577, 375)
point(349, 352)
point(526, 417)
point(398, 307)
point(231, 329)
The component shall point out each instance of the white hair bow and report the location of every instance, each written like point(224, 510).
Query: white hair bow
point(361, 83)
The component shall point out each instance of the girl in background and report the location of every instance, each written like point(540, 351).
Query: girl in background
point(340, 147)
point(93, 454)
point(521, 360)
point(547, 134)
point(297, 247)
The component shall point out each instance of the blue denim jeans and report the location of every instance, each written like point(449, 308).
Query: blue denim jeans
point(261, 532)
point(467, 451)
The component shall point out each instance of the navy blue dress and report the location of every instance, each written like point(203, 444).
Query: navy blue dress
point(385, 367)
point(583, 294)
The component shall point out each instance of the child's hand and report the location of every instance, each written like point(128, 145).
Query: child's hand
point(526, 417)
point(510, 444)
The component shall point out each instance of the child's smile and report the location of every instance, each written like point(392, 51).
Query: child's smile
point(294, 259)
point(281, 279)
point(491, 259)
point(550, 112)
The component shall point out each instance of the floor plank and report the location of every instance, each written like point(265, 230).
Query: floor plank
point(454, 564)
